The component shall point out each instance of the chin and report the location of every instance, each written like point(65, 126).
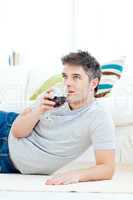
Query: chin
point(74, 99)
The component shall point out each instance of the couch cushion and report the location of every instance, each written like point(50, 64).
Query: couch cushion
point(111, 72)
point(13, 82)
point(120, 102)
point(37, 76)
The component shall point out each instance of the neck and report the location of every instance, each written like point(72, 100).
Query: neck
point(82, 103)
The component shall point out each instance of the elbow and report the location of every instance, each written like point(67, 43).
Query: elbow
point(19, 132)
point(109, 176)
point(110, 172)
point(16, 132)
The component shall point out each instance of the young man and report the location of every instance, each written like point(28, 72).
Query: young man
point(44, 138)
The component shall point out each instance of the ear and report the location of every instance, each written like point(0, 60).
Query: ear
point(94, 83)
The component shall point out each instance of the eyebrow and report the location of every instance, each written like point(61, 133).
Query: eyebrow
point(72, 74)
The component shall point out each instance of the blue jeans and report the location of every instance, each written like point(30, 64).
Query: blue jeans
point(6, 120)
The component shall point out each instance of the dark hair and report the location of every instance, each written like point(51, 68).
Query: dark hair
point(84, 59)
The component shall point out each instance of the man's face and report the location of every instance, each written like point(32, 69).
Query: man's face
point(77, 83)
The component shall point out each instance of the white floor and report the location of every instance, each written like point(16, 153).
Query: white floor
point(5, 195)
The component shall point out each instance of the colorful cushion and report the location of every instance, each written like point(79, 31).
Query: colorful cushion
point(111, 72)
point(52, 81)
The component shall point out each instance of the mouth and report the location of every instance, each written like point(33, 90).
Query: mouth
point(71, 92)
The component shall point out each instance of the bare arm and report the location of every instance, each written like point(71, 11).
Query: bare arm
point(25, 122)
point(103, 170)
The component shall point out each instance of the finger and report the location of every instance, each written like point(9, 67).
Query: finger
point(45, 107)
point(54, 182)
point(48, 102)
point(48, 182)
point(71, 180)
point(49, 90)
point(58, 182)
point(49, 93)
point(48, 96)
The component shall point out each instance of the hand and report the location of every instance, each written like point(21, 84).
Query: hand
point(64, 178)
point(46, 102)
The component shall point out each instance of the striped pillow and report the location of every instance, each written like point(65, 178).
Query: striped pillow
point(111, 72)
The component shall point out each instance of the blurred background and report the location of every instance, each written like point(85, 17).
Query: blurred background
point(39, 32)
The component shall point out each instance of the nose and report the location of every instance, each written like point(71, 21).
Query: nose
point(68, 82)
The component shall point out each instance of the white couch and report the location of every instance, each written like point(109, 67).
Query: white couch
point(18, 83)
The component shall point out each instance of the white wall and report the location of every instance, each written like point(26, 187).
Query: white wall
point(40, 30)
point(105, 28)
point(44, 30)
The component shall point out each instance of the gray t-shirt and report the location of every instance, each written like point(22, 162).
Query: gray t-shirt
point(61, 136)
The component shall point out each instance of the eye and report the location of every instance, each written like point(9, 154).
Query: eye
point(64, 76)
point(76, 77)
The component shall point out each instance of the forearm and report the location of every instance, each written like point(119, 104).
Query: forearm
point(103, 170)
point(98, 172)
point(23, 125)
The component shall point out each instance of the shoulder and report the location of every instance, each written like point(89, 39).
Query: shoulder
point(98, 111)
point(99, 117)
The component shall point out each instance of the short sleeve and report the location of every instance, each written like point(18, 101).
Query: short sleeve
point(103, 136)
